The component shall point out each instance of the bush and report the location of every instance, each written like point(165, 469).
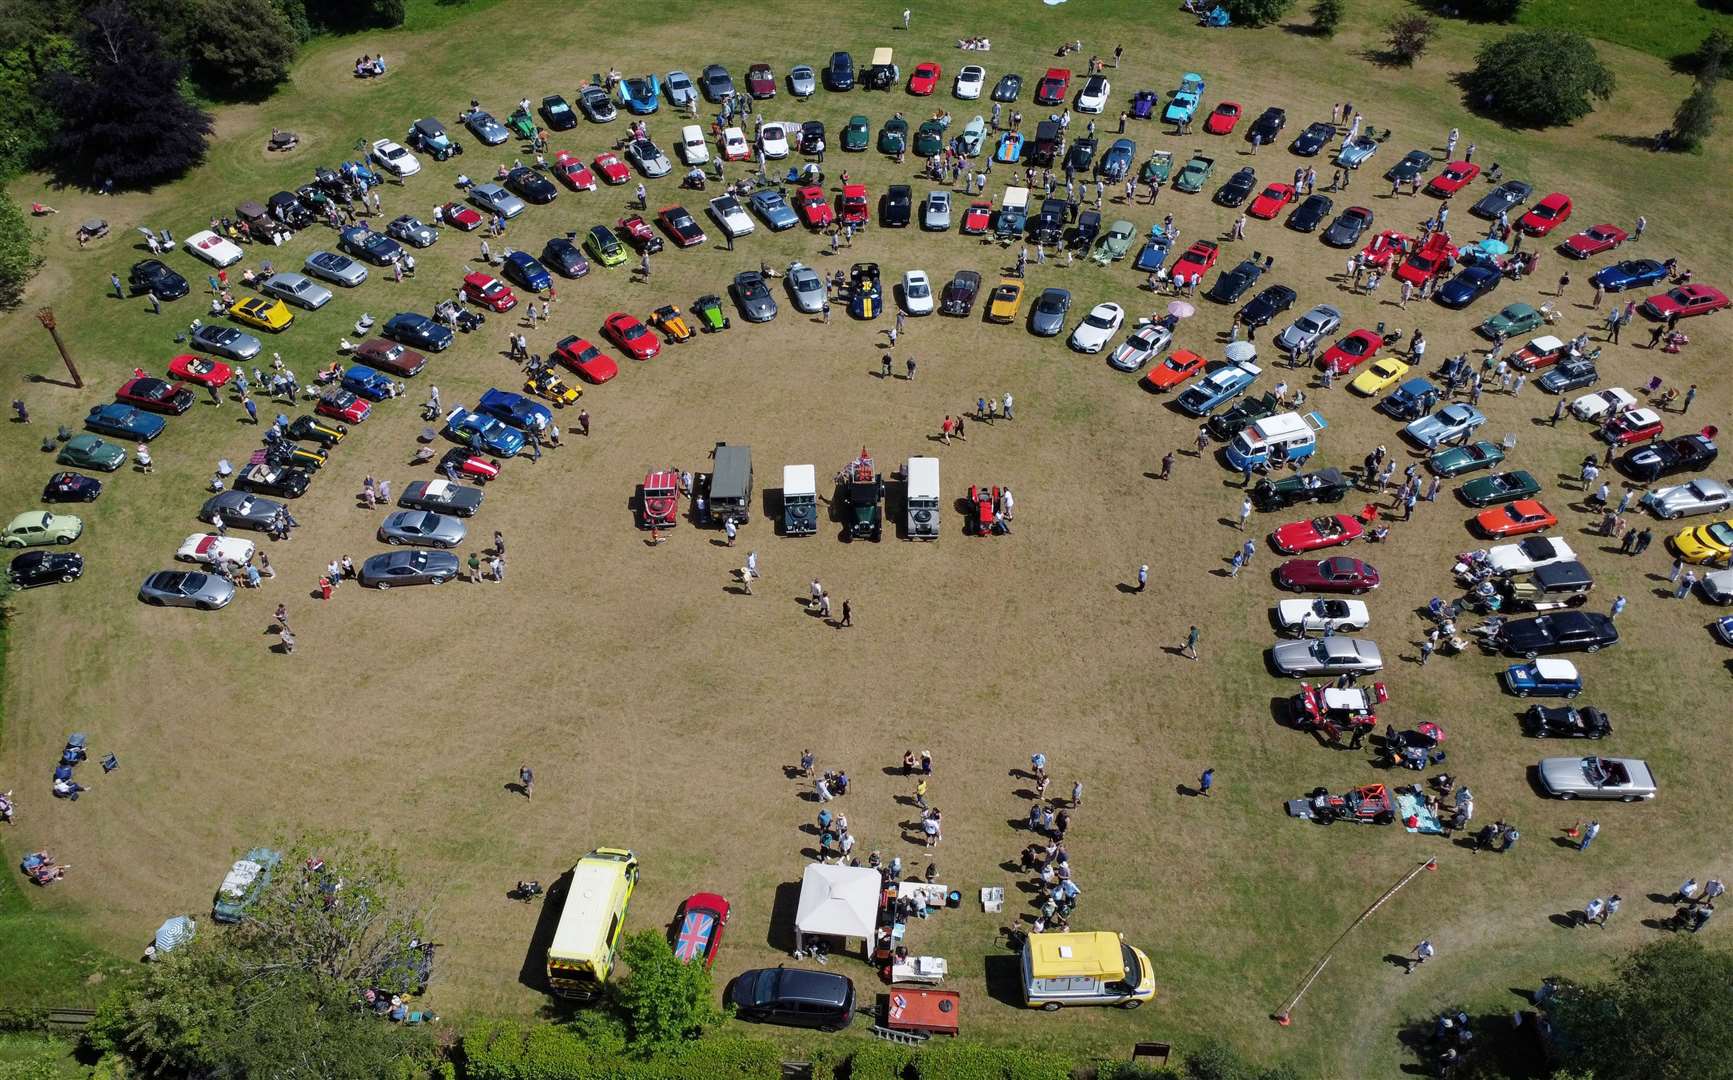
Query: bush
point(1502, 11)
point(241, 48)
point(973, 1061)
point(515, 1050)
point(880, 1061)
point(1408, 36)
point(1256, 12)
point(1327, 17)
point(1539, 78)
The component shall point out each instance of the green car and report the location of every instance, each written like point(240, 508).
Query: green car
point(858, 133)
point(1195, 175)
point(36, 527)
point(604, 246)
point(244, 884)
point(930, 139)
point(90, 452)
point(1157, 169)
point(521, 124)
point(1500, 487)
point(894, 136)
point(711, 317)
point(1513, 320)
point(1460, 459)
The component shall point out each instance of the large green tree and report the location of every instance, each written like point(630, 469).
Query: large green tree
point(1667, 1012)
point(241, 48)
point(1256, 12)
point(20, 251)
point(1694, 121)
point(1539, 78)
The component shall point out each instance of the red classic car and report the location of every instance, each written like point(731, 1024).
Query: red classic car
point(698, 927)
point(1456, 176)
point(1547, 215)
point(1435, 257)
point(924, 78)
point(977, 218)
point(659, 501)
point(1223, 117)
point(761, 81)
point(1196, 261)
point(1357, 347)
point(343, 405)
point(1632, 426)
point(157, 395)
point(639, 234)
point(488, 291)
point(1177, 368)
point(197, 369)
point(1540, 352)
point(573, 172)
point(1337, 574)
point(612, 169)
point(1270, 201)
point(853, 202)
point(1386, 247)
point(1514, 519)
point(470, 463)
point(631, 335)
point(590, 363)
point(459, 216)
point(1331, 530)
point(1684, 301)
point(1594, 240)
point(815, 209)
point(681, 225)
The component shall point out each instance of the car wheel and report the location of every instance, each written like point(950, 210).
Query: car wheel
point(154, 601)
point(394, 541)
point(382, 586)
point(203, 606)
point(1132, 1004)
point(1631, 798)
point(91, 496)
point(1528, 655)
point(1594, 648)
point(436, 581)
point(1567, 796)
point(1050, 1006)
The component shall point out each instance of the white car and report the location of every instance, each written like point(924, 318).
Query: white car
point(1529, 554)
point(734, 145)
point(1602, 404)
point(773, 140)
point(1093, 97)
point(1301, 617)
point(1717, 587)
point(731, 216)
point(1145, 343)
point(969, 82)
point(1097, 328)
point(917, 293)
point(395, 159)
point(693, 149)
point(210, 549)
point(214, 249)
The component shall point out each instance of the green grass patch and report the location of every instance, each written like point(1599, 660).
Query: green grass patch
point(1664, 30)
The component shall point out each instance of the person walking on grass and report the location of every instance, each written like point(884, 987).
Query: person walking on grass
point(1142, 577)
point(1191, 640)
point(526, 779)
point(1422, 953)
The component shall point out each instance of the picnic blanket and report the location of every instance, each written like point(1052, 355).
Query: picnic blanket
point(1412, 806)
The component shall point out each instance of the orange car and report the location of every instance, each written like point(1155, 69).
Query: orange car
point(1177, 368)
point(1515, 518)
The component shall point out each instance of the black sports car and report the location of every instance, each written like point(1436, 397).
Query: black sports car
point(1316, 136)
point(566, 257)
point(1311, 213)
point(1413, 163)
point(1238, 188)
point(1561, 631)
point(154, 276)
point(1267, 126)
point(558, 113)
point(1348, 227)
point(1269, 303)
point(1232, 284)
point(35, 568)
point(71, 487)
point(531, 186)
point(1684, 454)
point(898, 207)
point(1082, 155)
point(1008, 88)
point(1569, 374)
point(1545, 722)
point(1502, 199)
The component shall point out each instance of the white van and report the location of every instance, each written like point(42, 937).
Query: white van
point(921, 475)
point(1085, 969)
point(1276, 440)
point(693, 148)
point(799, 500)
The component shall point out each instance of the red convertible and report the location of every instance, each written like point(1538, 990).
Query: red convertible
point(613, 170)
point(977, 218)
point(488, 291)
point(1332, 530)
point(923, 79)
point(639, 234)
point(1338, 574)
point(1270, 201)
point(197, 369)
point(1196, 261)
point(470, 463)
point(459, 216)
point(1547, 215)
point(1456, 176)
point(698, 927)
point(1632, 426)
point(815, 208)
point(1223, 118)
point(1434, 258)
point(1385, 247)
point(157, 395)
point(659, 506)
point(591, 363)
point(1359, 346)
point(571, 169)
point(1177, 368)
point(631, 335)
point(1594, 240)
point(343, 405)
point(1684, 301)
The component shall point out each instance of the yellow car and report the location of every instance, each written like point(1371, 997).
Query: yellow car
point(1006, 298)
point(672, 324)
point(1704, 543)
point(1382, 373)
point(549, 385)
point(263, 314)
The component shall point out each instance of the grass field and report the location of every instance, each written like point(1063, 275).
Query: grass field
point(659, 708)
point(1668, 31)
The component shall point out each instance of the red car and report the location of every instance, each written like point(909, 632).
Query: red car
point(1356, 348)
point(1684, 301)
point(639, 234)
point(1540, 352)
point(1053, 86)
point(1514, 519)
point(1337, 574)
point(1594, 240)
point(157, 395)
point(681, 226)
point(761, 81)
point(1223, 118)
point(977, 218)
point(659, 501)
point(1332, 530)
point(814, 207)
point(459, 216)
point(631, 335)
point(591, 364)
point(1456, 176)
point(470, 463)
point(923, 79)
point(571, 169)
point(1435, 257)
point(1196, 261)
point(1632, 425)
point(698, 927)
point(1385, 247)
point(343, 405)
point(197, 369)
point(1177, 368)
point(1270, 201)
point(488, 291)
point(854, 204)
point(613, 170)
point(1547, 215)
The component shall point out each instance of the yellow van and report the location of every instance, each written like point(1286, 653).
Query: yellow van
point(1085, 969)
point(581, 955)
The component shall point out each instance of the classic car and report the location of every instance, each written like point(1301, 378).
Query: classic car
point(1626, 779)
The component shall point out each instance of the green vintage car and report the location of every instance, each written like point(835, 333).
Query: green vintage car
point(1195, 175)
point(244, 884)
point(894, 136)
point(90, 452)
point(1513, 320)
point(857, 134)
point(1157, 169)
point(1499, 487)
point(711, 317)
point(1460, 459)
point(930, 139)
point(36, 527)
point(521, 124)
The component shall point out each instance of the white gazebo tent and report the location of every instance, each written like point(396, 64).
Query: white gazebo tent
point(837, 901)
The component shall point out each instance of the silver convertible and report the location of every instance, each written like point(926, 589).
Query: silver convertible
point(1597, 778)
point(1326, 656)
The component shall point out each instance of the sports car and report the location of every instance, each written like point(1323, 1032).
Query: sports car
point(1308, 328)
point(459, 216)
point(1593, 241)
point(1512, 320)
point(643, 239)
point(773, 209)
point(1547, 215)
point(1560, 631)
point(421, 528)
point(409, 229)
point(441, 496)
point(773, 141)
point(495, 199)
point(364, 243)
point(977, 218)
point(924, 78)
point(1336, 574)
point(807, 289)
point(488, 434)
point(631, 335)
point(604, 246)
point(418, 331)
point(1097, 328)
point(1469, 285)
point(547, 384)
point(591, 364)
point(1683, 454)
point(343, 405)
point(1270, 201)
point(124, 422)
point(897, 207)
point(488, 291)
point(370, 384)
point(1301, 617)
point(34, 568)
point(711, 317)
point(157, 395)
point(197, 369)
point(970, 81)
point(1529, 555)
point(1230, 285)
point(1629, 274)
point(1176, 368)
point(1008, 88)
point(1356, 151)
point(1005, 300)
point(812, 137)
point(182, 588)
point(853, 206)
point(1273, 300)
point(1350, 351)
point(613, 170)
point(1454, 421)
point(681, 227)
point(1716, 587)
point(673, 325)
point(865, 293)
point(419, 567)
point(1703, 495)
point(1047, 315)
point(1632, 426)
point(678, 86)
point(1331, 530)
point(894, 136)
point(485, 128)
point(262, 314)
point(531, 186)
point(1703, 543)
point(1182, 103)
point(716, 83)
point(557, 113)
point(306, 428)
point(754, 297)
point(1386, 371)
point(1092, 97)
point(1514, 519)
point(642, 95)
point(1312, 139)
point(1117, 162)
point(65, 487)
point(1499, 487)
point(280, 481)
point(395, 159)
point(1626, 779)
point(1196, 261)
point(1267, 126)
point(1542, 722)
point(565, 257)
point(1010, 149)
point(1570, 373)
point(1413, 163)
point(1430, 260)
point(1456, 176)
point(1143, 345)
point(214, 249)
point(1336, 655)
point(596, 103)
point(814, 207)
point(649, 158)
point(857, 134)
point(1218, 387)
point(1053, 86)
point(573, 172)
point(154, 276)
point(1238, 187)
point(1311, 213)
point(524, 269)
point(1684, 301)
point(1223, 118)
point(1502, 199)
point(697, 932)
point(1348, 227)
point(802, 81)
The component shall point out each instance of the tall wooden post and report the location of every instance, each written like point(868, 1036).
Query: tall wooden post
point(46, 317)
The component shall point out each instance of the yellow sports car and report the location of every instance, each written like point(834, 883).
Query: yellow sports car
point(1006, 299)
point(1382, 373)
point(262, 313)
point(672, 324)
point(1704, 543)
point(549, 385)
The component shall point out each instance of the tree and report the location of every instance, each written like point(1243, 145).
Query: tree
point(665, 999)
point(1327, 17)
point(1668, 1011)
point(355, 14)
point(1539, 77)
point(1695, 119)
point(124, 117)
point(20, 251)
point(241, 47)
point(1408, 36)
point(1256, 12)
point(1490, 10)
point(1710, 59)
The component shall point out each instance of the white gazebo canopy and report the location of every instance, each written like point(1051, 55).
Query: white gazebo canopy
point(838, 901)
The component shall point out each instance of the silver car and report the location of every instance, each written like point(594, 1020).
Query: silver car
point(484, 127)
point(413, 231)
point(1326, 656)
point(1717, 587)
point(1699, 496)
point(1355, 151)
point(1628, 779)
point(806, 288)
point(418, 567)
point(496, 200)
point(186, 588)
point(422, 528)
point(297, 289)
point(1314, 325)
point(241, 509)
point(678, 86)
point(225, 341)
point(335, 268)
point(649, 158)
point(802, 81)
point(1454, 421)
point(936, 212)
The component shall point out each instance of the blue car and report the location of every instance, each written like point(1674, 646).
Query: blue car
point(1412, 400)
point(1183, 106)
point(1117, 161)
point(1469, 286)
point(418, 331)
point(1724, 629)
point(515, 409)
point(1454, 421)
point(1010, 148)
point(124, 421)
point(521, 268)
point(1154, 252)
point(1630, 274)
point(481, 432)
point(368, 383)
point(770, 206)
point(484, 127)
point(1218, 387)
point(1543, 678)
point(641, 96)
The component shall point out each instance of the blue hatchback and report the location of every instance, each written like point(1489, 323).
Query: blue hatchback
point(521, 268)
point(370, 384)
point(1544, 678)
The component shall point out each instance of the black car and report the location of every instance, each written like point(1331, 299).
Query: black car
point(1247, 411)
point(1569, 374)
point(369, 246)
point(898, 207)
point(287, 208)
point(1413, 163)
point(1048, 225)
point(558, 113)
point(327, 433)
point(71, 487)
point(531, 186)
point(1683, 454)
point(1323, 486)
point(839, 73)
point(1561, 631)
point(1566, 722)
point(1008, 88)
point(812, 137)
point(1238, 188)
point(794, 996)
point(1267, 126)
point(278, 481)
point(1230, 285)
point(1316, 136)
point(1502, 199)
point(417, 331)
point(596, 103)
point(35, 568)
point(1082, 155)
point(154, 276)
point(566, 257)
point(1348, 227)
point(959, 295)
point(1260, 309)
point(1311, 213)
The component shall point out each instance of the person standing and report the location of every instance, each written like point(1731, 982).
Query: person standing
point(1142, 577)
point(907, 14)
point(847, 614)
point(474, 568)
point(1594, 911)
point(1191, 641)
point(584, 423)
point(1592, 830)
point(1167, 465)
point(114, 280)
point(1205, 782)
point(526, 779)
point(1611, 909)
point(921, 793)
point(1422, 953)
point(1006, 404)
point(1245, 509)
